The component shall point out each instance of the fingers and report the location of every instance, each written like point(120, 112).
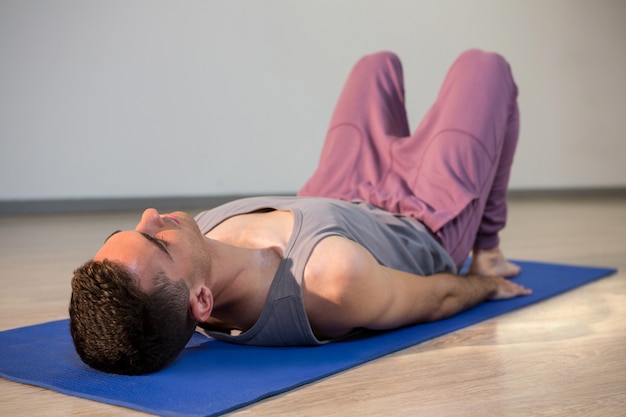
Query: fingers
point(507, 289)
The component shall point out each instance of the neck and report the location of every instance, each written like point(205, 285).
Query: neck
point(240, 279)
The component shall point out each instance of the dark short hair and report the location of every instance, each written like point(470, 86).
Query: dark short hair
point(118, 328)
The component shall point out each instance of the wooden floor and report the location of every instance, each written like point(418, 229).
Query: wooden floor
point(563, 357)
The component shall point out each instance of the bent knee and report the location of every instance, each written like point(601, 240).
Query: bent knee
point(379, 60)
point(484, 60)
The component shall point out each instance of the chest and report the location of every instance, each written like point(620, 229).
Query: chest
point(258, 230)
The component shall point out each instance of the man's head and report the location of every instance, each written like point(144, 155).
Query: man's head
point(136, 304)
point(118, 328)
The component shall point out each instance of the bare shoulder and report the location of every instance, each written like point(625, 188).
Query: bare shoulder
point(334, 262)
point(346, 288)
point(332, 273)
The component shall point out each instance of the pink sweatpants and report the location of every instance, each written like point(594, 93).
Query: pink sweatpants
point(451, 174)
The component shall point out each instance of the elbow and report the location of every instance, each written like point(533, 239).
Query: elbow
point(448, 306)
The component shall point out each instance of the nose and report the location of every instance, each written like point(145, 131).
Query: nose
point(151, 222)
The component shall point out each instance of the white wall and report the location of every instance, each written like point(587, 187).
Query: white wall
point(126, 98)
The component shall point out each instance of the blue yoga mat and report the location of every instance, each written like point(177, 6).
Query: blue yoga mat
point(211, 378)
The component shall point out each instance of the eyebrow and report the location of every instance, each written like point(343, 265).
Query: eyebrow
point(151, 239)
point(109, 236)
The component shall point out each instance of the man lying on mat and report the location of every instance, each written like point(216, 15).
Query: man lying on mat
point(374, 239)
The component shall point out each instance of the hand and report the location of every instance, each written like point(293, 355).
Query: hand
point(506, 289)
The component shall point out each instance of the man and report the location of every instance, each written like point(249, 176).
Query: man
point(373, 241)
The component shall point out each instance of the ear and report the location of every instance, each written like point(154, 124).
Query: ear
point(201, 303)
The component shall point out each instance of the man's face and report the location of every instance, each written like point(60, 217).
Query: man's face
point(169, 243)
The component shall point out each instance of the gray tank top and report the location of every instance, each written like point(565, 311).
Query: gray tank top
point(395, 241)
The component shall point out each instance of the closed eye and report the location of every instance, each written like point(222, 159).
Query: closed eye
point(159, 243)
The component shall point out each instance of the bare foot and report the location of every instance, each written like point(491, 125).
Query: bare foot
point(491, 262)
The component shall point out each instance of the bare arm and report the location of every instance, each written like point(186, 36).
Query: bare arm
point(345, 288)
